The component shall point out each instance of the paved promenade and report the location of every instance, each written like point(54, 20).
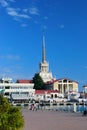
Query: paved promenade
point(54, 120)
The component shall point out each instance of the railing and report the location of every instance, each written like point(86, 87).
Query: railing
point(67, 107)
point(63, 107)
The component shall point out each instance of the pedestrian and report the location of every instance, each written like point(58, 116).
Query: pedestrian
point(35, 107)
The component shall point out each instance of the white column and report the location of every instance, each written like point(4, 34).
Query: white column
point(62, 88)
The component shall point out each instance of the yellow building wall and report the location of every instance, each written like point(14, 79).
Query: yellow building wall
point(75, 86)
point(55, 85)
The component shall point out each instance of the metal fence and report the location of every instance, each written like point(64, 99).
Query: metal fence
point(69, 107)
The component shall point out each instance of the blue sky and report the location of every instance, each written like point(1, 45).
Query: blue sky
point(65, 25)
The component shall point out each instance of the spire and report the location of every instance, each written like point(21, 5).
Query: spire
point(43, 50)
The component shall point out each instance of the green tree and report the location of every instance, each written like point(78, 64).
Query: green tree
point(10, 117)
point(15, 118)
point(4, 104)
point(38, 82)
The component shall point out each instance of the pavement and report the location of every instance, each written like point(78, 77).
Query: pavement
point(53, 120)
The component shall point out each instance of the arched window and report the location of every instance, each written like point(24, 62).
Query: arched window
point(55, 95)
point(51, 95)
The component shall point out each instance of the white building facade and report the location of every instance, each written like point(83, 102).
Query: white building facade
point(16, 92)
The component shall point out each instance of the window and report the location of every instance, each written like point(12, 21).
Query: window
point(65, 81)
point(7, 87)
point(55, 95)
point(51, 95)
point(6, 94)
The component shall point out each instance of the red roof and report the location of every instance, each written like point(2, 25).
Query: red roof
point(24, 81)
point(51, 82)
point(66, 79)
point(45, 91)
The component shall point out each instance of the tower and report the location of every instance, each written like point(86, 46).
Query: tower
point(43, 50)
point(44, 65)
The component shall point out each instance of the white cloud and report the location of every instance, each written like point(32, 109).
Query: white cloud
point(12, 11)
point(15, 13)
point(17, 19)
point(34, 11)
point(24, 16)
point(19, 14)
point(10, 57)
point(4, 3)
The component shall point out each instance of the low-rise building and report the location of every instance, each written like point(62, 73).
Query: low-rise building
point(63, 85)
point(20, 92)
point(85, 91)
